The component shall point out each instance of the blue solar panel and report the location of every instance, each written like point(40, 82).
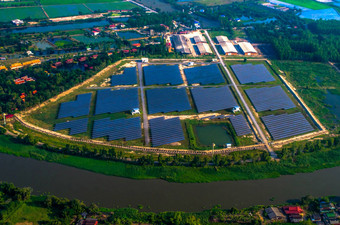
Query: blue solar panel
point(79, 107)
point(213, 99)
point(210, 74)
point(165, 131)
point(113, 101)
point(75, 126)
point(249, 73)
point(286, 125)
point(164, 100)
point(162, 74)
point(269, 98)
point(240, 125)
point(129, 77)
point(128, 129)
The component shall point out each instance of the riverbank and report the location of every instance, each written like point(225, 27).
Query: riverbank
point(307, 163)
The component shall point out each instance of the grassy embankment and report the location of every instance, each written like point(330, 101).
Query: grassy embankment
point(306, 163)
point(310, 4)
point(312, 80)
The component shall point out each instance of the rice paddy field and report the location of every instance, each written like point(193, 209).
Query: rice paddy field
point(103, 7)
point(54, 11)
point(310, 4)
point(9, 14)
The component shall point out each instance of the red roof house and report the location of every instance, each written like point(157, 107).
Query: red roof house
point(292, 210)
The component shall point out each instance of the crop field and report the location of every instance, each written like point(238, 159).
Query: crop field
point(310, 4)
point(64, 2)
point(65, 10)
point(9, 14)
point(103, 7)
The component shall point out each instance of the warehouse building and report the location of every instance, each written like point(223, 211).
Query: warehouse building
point(222, 39)
point(204, 49)
point(180, 43)
point(200, 39)
point(247, 48)
point(228, 48)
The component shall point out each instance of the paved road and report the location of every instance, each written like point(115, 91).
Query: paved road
point(145, 114)
point(250, 113)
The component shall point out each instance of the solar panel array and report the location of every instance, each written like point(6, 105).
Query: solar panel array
point(79, 107)
point(269, 98)
point(210, 74)
point(129, 129)
point(249, 73)
point(240, 125)
point(164, 100)
point(129, 77)
point(286, 125)
point(213, 99)
point(165, 131)
point(113, 101)
point(75, 126)
point(162, 74)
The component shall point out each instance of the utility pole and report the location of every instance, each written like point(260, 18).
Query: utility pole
point(4, 115)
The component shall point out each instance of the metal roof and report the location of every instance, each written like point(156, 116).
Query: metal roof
point(247, 47)
point(228, 47)
point(200, 39)
point(181, 44)
point(204, 48)
point(221, 39)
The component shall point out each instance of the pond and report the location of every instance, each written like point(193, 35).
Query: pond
point(214, 133)
point(43, 45)
point(334, 101)
point(93, 40)
point(159, 195)
point(129, 35)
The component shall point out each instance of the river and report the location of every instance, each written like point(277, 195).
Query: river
point(158, 195)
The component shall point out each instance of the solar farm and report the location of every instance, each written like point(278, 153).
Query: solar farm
point(177, 97)
point(269, 98)
point(249, 73)
point(204, 75)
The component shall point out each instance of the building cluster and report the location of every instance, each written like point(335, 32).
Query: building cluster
point(329, 214)
point(293, 214)
point(15, 66)
point(228, 47)
point(23, 80)
point(189, 43)
point(274, 6)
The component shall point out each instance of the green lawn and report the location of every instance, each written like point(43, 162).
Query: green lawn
point(306, 163)
point(62, 2)
point(10, 14)
point(311, 4)
point(30, 211)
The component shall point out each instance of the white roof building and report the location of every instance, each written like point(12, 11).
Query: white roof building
point(18, 22)
point(228, 48)
point(200, 39)
point(181, 45)
point(204, 48)
point(221, 39)
point(247, 48)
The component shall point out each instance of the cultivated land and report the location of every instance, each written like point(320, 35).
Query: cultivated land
point(21, 13)
point(62, 2)
point(310, 4)
point(54, 11)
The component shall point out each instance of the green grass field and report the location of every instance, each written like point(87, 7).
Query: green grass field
point(63, 2)
point(310, 4)
point(10, 14)
point(306, 163)
point(54, 11)
point(216, 2)
point(104, 7)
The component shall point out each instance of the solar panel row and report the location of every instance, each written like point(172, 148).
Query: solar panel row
point(249, 73)
point(167, 100)
point(286, 125)
point(269, 98)
point(213, 99)
point(76, 126)
point(129, 77)
point(203, 75)
point(165, 131)
point(129, 129)
point(79, 107)
point(113, 101)
point(162, 74)
point(240, 125)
